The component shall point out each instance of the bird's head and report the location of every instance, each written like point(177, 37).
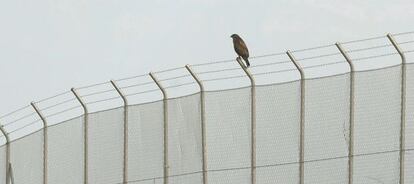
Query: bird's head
point(234, 36)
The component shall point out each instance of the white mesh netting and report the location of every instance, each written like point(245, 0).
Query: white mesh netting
point(377, 125)
point(3, 163)
point(277, 133)
point(105, 139)
point(26, 157)
point(65, 152)
point(145, 143)
point(409, 128)
point(228, 120)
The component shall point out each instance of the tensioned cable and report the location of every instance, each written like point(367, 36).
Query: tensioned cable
point(376, 56)
point(268, 64)
point(98, 92)
point(48, 98)
point(136, 85)
point(142, 92)
point(369, 48)
point(318, 56)
point(17, 110)
point(93, 85)
point(224, 78)
point(63, 111)
point(402, 43)
point(184, 84)
point(31, 123)
point(218, 71)
point(273, 72)
point(312, 48)
point(133, 77)
point(362, 40)
point(60, 103)
point(324, 64)
point(103, 100)
point(268, 55)
point(16, 120)
point(168, 70)
point(172, 78)
point(403, 33)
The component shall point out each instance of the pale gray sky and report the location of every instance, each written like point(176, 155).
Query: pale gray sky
point(49, 46)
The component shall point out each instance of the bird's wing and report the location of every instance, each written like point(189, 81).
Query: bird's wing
point(243, 48)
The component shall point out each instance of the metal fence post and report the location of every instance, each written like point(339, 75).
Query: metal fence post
point(253, 120)
point(125, 100)
point(403, 105)
point(45, 138)
point(351, 114)
point(165, 107)
point(6, 135)
point(85, 134)
point(203, 119)
point(302, 119)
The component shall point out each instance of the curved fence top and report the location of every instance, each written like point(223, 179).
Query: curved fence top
point(366, 54)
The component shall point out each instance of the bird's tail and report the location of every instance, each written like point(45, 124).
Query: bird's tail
point(247, 62)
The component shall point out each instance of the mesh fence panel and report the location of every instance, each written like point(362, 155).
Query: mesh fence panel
point(377, 125)
point(228, 120)
point(65, 152)
point(3, 163)
point(184, 140)
point(326, 129)
point(277, 133)
point(409, 122)
point(145, 143)
point(26, 157)
point(105, 143)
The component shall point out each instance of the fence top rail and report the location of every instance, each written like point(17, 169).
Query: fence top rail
point(17, 115)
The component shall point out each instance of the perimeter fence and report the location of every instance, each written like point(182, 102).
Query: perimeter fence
point(339, 113)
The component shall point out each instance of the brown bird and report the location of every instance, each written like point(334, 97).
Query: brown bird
point(241, 48)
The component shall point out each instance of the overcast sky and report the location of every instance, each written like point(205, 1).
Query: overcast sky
point(49, 46)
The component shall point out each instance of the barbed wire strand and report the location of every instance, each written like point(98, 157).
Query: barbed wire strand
point(218, 71)
point(324, 64)
point(319, 56)
point(168, 70)
point(268, 55)
point(142, 92)
point(369, 48)
point(15, 111)
point(274, 72)
point(223, 78)
point(173, 78)
point(18, 119)
point(103, 100)
point(48, 98)
point(92, 85)
point(268, 64)
point(20, 128)
point(313, 48)
point(376, 56)
point(63, 111)
point(98, 92)
point(178, 85)
point(136, 85)
point(362, 40)
point(132, 77)
point(60, 103)
point(403, 33)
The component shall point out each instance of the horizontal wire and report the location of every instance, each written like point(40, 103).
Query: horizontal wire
point(402, 43)
point(136, 85)
point(319, 56)
point(268, 55)
point(103, 100)
point(48, 98)
point(132, 77)
point(92, 85)
point(142, 92)
point(16, 120)
point(98, 92)
point(273, 72)
point(369, 48)
point(313, 48)
point(325, 64)
point(224, 78)
point(184, 84)
point(60, 103)
point(17, 110)
point(63, 111)
point(218, 71)
point(409, 51)
point(362, 40)
point(214, 62)
point(172, 78)
point(376, 56)
point(168, 70)
point(20, 128)
point(268, 64)
point(403, 33)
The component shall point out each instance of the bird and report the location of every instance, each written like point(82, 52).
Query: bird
point(241, 48)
